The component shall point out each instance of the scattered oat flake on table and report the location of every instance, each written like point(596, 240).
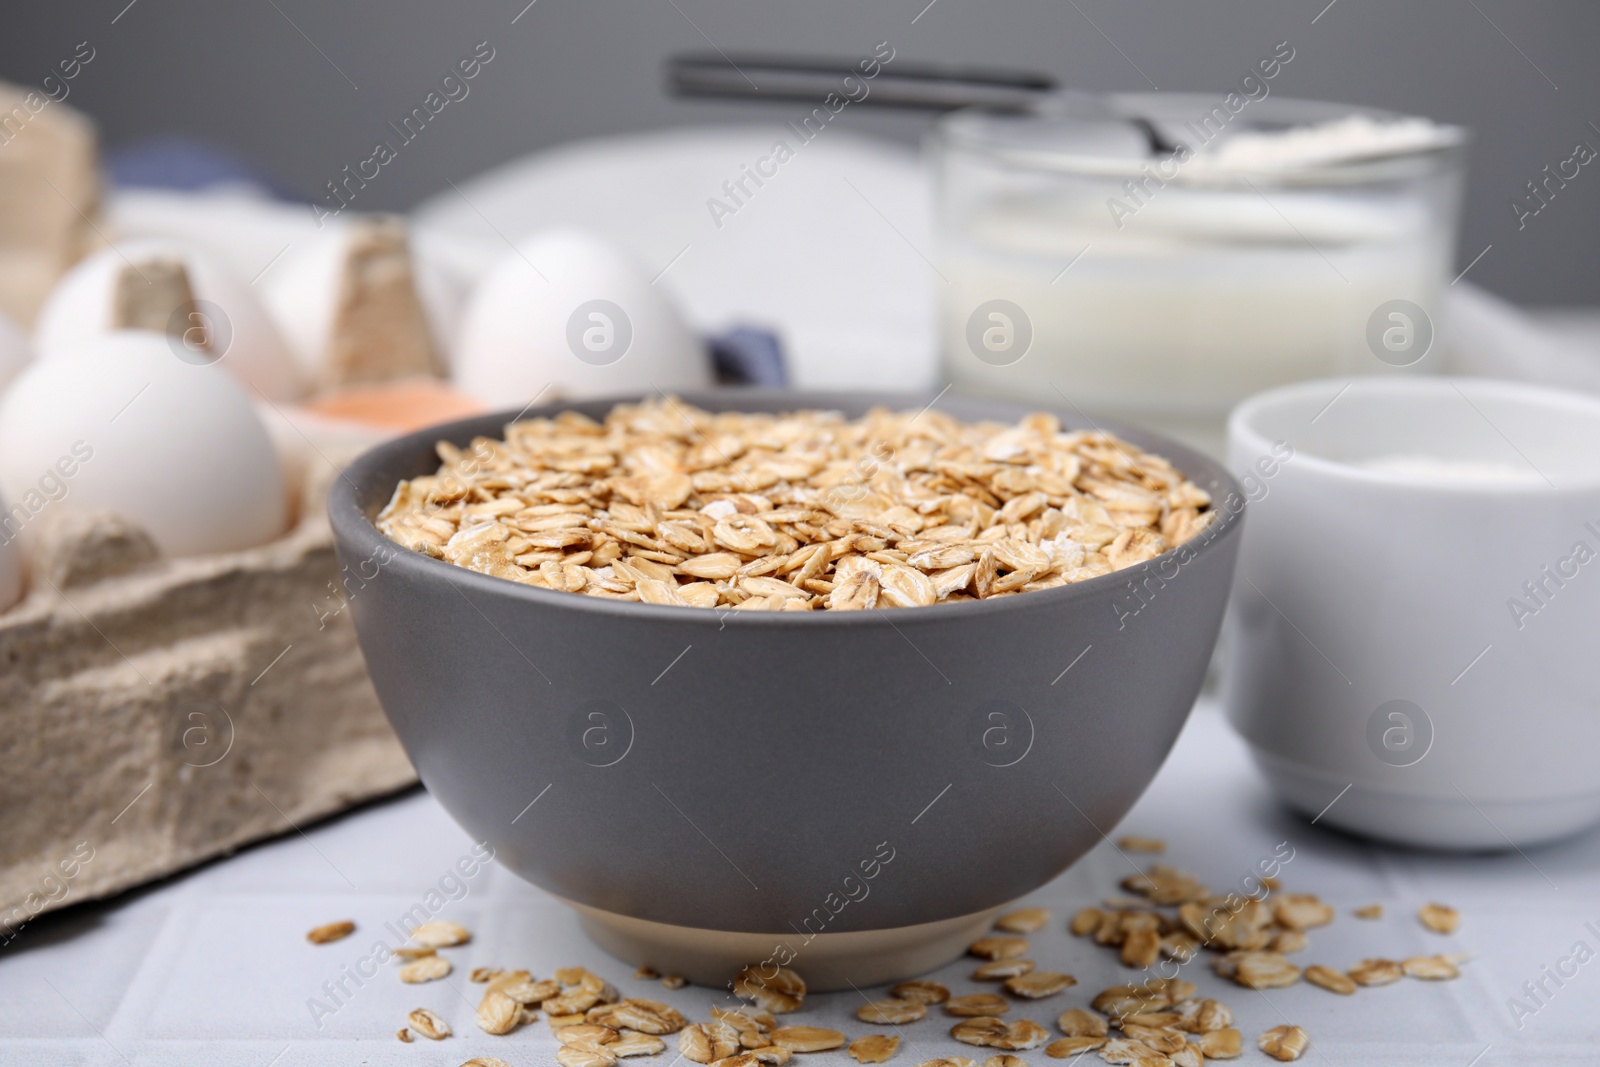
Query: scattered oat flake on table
point(1284, 1042)
point(1141, 948)
point(414, 952)
point(583, 990)
point(1331, 980)
point(780, 993)
point(706, 1042)
point(1123, 1050)
point(1085, 921)
point(1153, 995)
point(998, 948)
point(1430, 968)
point(1075, 1022)
point(1166, 885)
point(1440, 918)
point(1369, 911)
point(1159, 1038)
point(921, 990)
point(746, 1024)
point(1037, 984)
point(585, 1035)
point(997, 1033)
point(1371, 972)
point(1208, 1015)
point(633, 1043)
point(1141, 844)
point(874, 1048)
point(1225, 1044)
point(891, 1012)
point(403, 1034)
point(1118, 903)
point(485, 1061)
point(974, 1005)
point(441, 934)
point(674, 981)
point(995, 970)
point(646, 974)
point(1285, 941)
point(1257, 970)
point(738, 1059)
point(572, 1056)
point(1301, 911)
point(806, 1038)
point(1023, 920)
point(498, 1014)
point(328, 932)
point(645, 1016)
point(521, 987)
point(425, 969)
point(429, 1024)
point(1064, 1047)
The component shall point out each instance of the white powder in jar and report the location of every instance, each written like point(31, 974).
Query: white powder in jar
point(1350, 138)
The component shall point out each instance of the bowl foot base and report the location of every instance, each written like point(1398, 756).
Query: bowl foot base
point(1440, 822)
point(827, 962)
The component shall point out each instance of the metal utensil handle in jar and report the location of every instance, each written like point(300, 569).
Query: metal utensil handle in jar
point(797, 78)
point(913, 86)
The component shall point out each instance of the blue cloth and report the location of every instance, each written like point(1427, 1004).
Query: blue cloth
point(747, 355)
point(178, 161)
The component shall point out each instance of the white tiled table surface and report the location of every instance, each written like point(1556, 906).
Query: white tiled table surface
point(213, 967)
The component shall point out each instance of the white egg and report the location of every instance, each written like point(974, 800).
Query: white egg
point(570, 313)
point(302, 293)
point(14, 349)
point(122, 424)
point(81, 306)
point(10, 559)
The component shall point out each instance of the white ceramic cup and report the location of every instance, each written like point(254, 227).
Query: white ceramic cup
point(1413, 647)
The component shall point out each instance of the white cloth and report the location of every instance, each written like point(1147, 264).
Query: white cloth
point(1491, 338)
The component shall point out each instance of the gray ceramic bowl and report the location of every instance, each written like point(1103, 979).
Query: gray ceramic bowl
point(863, 789)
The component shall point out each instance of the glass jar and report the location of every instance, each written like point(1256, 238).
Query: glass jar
point(1078, 266)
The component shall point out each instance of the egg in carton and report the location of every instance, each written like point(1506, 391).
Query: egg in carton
point(183, 677)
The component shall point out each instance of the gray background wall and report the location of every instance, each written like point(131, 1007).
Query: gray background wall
point(306, 87)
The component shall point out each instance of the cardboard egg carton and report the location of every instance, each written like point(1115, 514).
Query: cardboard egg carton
point(160, 712)
point(49, 191)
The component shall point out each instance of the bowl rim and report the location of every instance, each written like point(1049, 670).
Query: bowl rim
point(351, 524)
point(1245, 431)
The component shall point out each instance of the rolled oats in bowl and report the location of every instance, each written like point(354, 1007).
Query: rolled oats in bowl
point(668, 504)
